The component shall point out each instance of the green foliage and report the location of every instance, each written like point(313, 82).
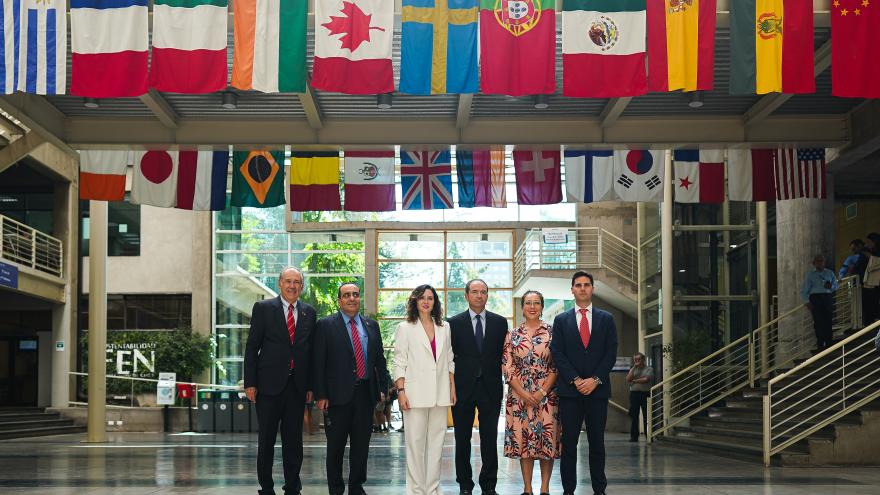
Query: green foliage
point(322, 291)
point(688, 347)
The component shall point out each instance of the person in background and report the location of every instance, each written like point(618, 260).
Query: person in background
point(640, 379)
point(389, 402)
point(870, 295)
point(531, 429)
point(817, 292)
point(851, 263)
point(424, 372)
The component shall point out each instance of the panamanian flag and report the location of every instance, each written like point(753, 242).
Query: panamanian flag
point(426, 179)
point(34, 49)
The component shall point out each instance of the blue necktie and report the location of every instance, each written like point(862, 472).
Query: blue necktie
point(478, 334)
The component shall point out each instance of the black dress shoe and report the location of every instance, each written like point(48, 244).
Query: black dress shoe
point(460, 492)
point(490, 492)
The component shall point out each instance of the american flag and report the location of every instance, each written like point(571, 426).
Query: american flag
point(800, 173)
point(426, 179)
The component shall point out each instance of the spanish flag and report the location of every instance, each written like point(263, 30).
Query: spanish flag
point(314, 181)
point(771, 47)
point(681, 45)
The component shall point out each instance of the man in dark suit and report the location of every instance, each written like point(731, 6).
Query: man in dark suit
point(277, 376)
point(477, 343)
point(584, 348)
point(350, 379)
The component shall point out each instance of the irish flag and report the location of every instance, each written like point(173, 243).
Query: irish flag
point(681, 45)
point(603, 48)
point(270, 45)
point(189, 46)
point(771, 47)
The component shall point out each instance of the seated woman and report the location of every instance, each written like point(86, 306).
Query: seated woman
point(532, 408)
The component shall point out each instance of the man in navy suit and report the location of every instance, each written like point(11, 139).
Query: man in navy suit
point(584, 348)
point(277, 376)
point(350, 379)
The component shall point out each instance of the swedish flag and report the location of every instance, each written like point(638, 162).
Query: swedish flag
point(439, 47)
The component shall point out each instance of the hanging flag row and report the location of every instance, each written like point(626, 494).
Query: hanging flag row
point(196, 179)
point(610, 48)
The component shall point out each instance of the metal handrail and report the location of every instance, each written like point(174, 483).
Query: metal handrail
point(848, 374)
point(134, 379)
point(588, 247)
point(738, 364)
point(29, 247)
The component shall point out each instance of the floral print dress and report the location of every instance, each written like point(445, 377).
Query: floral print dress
point(530, 432)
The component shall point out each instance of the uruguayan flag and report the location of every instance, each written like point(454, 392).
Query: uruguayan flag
point(34, 50)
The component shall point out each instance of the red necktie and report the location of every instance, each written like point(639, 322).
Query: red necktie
point(291, 327)
point(358, 350)
point(585, 328)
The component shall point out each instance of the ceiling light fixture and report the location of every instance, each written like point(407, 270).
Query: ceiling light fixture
point(542, 101)
point(230, 100)
point(91, 103)
point(696, 100)
point(383, 101)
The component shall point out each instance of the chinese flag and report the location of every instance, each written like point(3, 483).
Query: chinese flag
point(855, 48)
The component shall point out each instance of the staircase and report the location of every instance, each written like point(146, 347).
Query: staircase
point(734, 427)
point(21, 422)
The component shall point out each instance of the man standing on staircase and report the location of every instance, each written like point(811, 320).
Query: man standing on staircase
point(817, 293)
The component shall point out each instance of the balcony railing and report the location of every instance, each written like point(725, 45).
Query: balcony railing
point(30, 247)
point(584, 248)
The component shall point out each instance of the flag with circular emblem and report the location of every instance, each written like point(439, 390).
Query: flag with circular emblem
point(154, 178)
point(258, 178)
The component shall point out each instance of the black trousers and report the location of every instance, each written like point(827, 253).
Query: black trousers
point(823, 315)
point(463, 413)
point(637, 401)
point(286, 408)
point(870, 305)
point(352, 422)
point(574, 412)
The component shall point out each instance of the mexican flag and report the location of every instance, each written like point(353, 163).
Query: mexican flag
point(603, 48)
point(518, 47)
point(189, 46)
point(270, 45)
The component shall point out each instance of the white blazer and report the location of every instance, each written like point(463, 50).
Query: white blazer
point(427, 380)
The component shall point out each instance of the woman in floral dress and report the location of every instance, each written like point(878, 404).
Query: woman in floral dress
point(532, 406)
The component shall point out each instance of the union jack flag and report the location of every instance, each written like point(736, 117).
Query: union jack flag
point(426, 180)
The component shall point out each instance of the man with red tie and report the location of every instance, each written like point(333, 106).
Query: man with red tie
point(277, 376)
point(584, 348)
point(350, 377)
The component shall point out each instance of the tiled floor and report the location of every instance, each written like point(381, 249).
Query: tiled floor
point(136, 463)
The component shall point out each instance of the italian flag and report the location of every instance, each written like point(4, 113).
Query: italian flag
point(603, 48)
point(189, 46)
point(270, 45)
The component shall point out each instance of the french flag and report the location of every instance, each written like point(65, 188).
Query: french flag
point(588, 176)
point(109, 48)
point(699, 176)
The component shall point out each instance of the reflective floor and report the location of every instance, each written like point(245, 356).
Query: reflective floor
point(136, 463)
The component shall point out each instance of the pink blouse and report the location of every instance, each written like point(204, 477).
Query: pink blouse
point(434, 348)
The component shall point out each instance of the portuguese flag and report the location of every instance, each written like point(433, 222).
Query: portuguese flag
point(771, 47)
point(518, 47)
point(681, 45)
point(603, 48)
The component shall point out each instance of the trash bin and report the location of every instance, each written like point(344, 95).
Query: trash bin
point(255, 425)
point(205, 413)
point(240, 412)
point(223, 411)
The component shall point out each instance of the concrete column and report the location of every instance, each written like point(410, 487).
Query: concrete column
point(804, 228)
point(666, 278)
point(63, 360)
point(202, 279)
point(97, 322)
point(371, 273)
point(763, 281)
point(640, 236)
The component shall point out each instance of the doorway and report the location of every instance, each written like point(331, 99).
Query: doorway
point(18, 371)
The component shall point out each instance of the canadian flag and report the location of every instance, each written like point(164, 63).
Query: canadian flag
point(353, 46)
point(699, 176)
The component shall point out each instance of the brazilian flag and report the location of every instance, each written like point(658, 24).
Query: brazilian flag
point(258, 178)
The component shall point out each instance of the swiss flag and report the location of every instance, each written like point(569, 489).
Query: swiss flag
point(353, 46)
point(537, 177)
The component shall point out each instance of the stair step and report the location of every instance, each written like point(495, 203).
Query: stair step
point(16, 417)
point(40, 423)
point(41, 432)
point(723, 449)
point(23, 410)
point(750, 433)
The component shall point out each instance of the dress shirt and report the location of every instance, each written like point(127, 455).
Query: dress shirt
point(362, 332)
point(815, 283)
point(474, 321)
point(286, 305)
point(577, 316)
point(850, 260)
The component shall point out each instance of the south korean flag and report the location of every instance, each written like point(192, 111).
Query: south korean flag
point(638, 175)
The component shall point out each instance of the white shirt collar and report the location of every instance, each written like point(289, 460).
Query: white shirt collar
point(473, 315)
point(589, 308)
point(285, 305)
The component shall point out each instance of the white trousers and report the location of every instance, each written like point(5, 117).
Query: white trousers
point(424, 434)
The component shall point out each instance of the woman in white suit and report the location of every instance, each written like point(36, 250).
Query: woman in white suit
point(423, 373)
